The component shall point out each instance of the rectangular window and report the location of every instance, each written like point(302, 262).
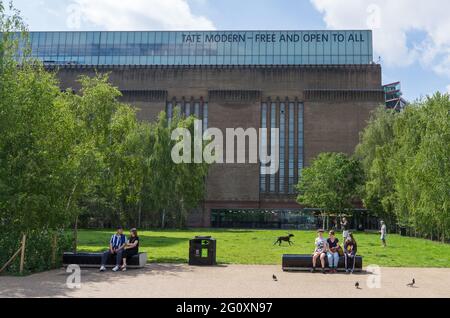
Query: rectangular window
point(263, 146)
point(282, 147)
point(204, 47)
point(197, 110)
point(291, 147)
point(300, 139)
point(169, 112)
point(273, 125)
point(205, 116)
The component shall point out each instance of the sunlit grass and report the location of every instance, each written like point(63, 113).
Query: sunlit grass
point(256, 247)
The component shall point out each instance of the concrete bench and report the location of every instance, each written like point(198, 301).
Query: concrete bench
point(304, 262)
point(95, 259)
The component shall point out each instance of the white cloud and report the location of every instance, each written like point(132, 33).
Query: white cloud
point(448, 89)
point(395, 24)
point(142, 15)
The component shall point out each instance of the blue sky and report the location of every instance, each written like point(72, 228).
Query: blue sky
point(413, 47)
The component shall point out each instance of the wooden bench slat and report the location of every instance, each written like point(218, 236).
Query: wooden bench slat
point(304, 262)
point(95, 259)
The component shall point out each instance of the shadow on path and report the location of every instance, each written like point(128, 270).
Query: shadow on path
point(53, 283)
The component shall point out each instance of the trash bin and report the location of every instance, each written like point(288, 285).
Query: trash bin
point(202, 251)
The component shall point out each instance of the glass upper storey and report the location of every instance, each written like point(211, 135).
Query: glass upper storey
point(204, 47)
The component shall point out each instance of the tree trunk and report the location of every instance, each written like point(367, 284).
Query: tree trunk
point(75, 235)
point(54, 249)
point(180, 225)
point(22, 254)
point(163, 217)
point(139, 213)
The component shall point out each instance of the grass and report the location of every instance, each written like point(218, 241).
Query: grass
point(256, 247)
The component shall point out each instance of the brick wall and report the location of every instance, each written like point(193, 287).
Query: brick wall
point(337, 103)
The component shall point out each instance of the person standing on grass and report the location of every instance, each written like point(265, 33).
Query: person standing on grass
point(350, 249)
point(344, 226)
point(320, 251)
point(332, 252)
point(116, 245)
point(383, 232)
point(131, 248)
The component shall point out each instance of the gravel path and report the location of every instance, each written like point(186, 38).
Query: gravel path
point(168, 280)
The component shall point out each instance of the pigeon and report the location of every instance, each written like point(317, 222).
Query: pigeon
point(412, 283)
point(357, 285)
point(274, 278)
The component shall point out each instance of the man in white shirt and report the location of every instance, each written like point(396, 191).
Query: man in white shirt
point(344, 226)
point(383, 232)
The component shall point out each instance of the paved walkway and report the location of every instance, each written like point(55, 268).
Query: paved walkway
point(168, 280)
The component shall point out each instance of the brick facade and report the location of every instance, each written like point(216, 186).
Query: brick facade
point(337, 103)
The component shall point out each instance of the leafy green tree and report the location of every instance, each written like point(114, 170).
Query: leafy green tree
point(176, 188)
point(67, 156)
point(107, 154)
point(190, 178)
point(35, 139)
point(423, 167)
point(405, 159)
point(331, 183)
point(35, 136)
point(375, 152)
point(161, 180)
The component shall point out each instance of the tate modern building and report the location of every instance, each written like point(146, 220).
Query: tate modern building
point(317, 87)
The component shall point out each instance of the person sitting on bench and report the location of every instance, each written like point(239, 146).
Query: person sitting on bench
point(350, 249)
point(332, 252)
point(131, 248)
point(320, 251)
point(116, 245)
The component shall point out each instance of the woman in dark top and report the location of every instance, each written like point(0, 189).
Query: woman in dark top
point(332, 252)
point(350, 249)
point(131, 248)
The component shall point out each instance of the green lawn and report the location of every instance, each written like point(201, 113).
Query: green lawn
point(256, 247)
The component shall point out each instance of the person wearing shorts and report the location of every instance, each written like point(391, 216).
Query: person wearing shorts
point(320, 251)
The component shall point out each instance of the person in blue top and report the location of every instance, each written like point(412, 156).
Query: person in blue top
point(116, 245)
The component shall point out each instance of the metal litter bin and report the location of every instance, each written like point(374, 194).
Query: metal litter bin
point(202, 251)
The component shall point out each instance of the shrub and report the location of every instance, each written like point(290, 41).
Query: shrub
point(38, 250)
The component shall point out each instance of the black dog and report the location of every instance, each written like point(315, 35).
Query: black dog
point(284, 239)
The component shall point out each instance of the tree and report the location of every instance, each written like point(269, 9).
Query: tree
point(405, 159)
point(375, 152)
point(190, 178)
point(423, 166)
point(35, 139)
point(176, 188)
point(70, 155)
point(331, 183)
point(108, 153)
